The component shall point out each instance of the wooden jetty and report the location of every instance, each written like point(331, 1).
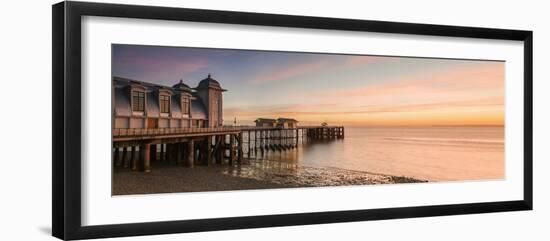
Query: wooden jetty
point(137, 148)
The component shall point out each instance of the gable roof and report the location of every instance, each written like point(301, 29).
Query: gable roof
point(265, 120)
point(286, 120)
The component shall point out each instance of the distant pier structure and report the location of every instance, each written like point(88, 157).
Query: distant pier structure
point(183, 126)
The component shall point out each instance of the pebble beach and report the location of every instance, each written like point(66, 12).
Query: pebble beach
point(247, 176)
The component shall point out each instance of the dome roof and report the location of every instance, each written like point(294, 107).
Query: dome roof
point(209, 83)
point(181, 86)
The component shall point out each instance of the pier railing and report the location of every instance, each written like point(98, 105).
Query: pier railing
point(168, 131)
point(127, 132)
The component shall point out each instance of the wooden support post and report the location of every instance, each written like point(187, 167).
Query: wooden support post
point(124, 157)
point(144, 157)
point(162, 152)
point(249, 145)
point(240, 146)
point(191, 153)
point(168, 154)
point(179, 152)
point(297, 138)
point(182, 158)
point(132, 156)
point(231, 148)
point(147, 157)
point(154, 152)
point(219, 149)
point(174, 152)
point(116, 157)
point(208, 150)
point(135, 158)
point(224, 146)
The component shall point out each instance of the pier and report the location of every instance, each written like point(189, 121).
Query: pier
point(137, 148)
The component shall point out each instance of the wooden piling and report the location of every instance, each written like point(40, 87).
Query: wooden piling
point(135, 158)
point(208, 150)
point(124, 157)
point(191, 153)
point(153, 152)
point(297, 137)
point(240, 146)
point(132, 155)
point(145, 157)
point(116, 158)
point(231, 148)
point(169, 152)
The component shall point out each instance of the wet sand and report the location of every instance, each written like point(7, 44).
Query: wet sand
point(172, 178)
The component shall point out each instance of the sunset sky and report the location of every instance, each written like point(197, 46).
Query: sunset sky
point(338, 89)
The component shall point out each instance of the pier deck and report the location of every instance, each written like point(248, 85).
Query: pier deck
point(136, 148)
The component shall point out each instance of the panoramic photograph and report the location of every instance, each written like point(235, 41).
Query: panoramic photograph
point(187, 119)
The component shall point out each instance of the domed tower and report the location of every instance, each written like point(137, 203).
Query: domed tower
point(210, 92)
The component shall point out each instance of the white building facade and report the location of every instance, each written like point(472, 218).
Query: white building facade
point(139, 104)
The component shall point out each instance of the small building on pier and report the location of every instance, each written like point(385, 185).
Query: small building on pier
point(266, 122)
point(139, 104)
point(286, 123)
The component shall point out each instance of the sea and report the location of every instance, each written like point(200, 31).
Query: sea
point(426, 153)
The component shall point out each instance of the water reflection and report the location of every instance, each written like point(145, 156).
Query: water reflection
point(427, 153)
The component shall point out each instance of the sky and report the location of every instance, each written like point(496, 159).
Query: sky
point(354, 90)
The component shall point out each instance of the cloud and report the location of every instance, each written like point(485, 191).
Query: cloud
point(468, 95)
point(158, 67)
point(317, 109)
point(488, 77)
point(292, 70)
point(353, 61)
point(288, 71)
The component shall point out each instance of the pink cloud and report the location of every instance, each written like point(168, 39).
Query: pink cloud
point(289, 72)
point(296, 70)
point(486, 77)
point(465, 95)
point(354, 61)
point(184, 65)
point(162, 68)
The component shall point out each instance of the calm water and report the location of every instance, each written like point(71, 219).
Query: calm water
point(429, 153)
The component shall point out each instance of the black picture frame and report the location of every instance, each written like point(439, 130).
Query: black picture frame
point(66, 127)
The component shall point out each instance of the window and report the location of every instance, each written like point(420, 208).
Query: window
point(138, 101)
point(185, 106)
point(164, 104)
